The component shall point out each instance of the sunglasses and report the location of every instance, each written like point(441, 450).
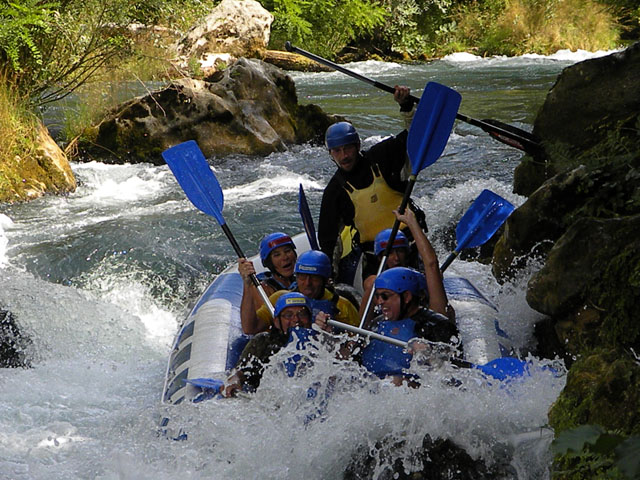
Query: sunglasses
point(383, 295)
point(302, 315)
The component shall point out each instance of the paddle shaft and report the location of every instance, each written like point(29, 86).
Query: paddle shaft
point(393, 341)
point(392, 238)
point(367, 333)
point(513, 137)
point(254, 279)
point(307, 219)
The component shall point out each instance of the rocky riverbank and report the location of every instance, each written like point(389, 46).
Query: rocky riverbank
point(582, 221)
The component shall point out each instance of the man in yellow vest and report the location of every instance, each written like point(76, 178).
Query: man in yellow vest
point(367, 186)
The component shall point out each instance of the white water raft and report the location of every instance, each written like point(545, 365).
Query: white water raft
point(210, 340)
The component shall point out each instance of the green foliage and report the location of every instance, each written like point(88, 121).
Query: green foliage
point(20, 26)
point(513, 27)
point(54, 47)
point(415, 27)
point(323, 26)
point(18, 132)
point(588, 451)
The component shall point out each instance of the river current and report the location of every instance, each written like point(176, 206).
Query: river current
point(101, 279)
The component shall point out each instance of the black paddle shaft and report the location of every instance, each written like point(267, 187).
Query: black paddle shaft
point(236, 247)
point(507, 134)
point(396, 224)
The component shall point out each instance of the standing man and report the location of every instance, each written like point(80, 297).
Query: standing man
point(367, 186)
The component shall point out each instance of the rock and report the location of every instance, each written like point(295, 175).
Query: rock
point(238, 27)
point(439, 459)
point(250, 108)
point(14, 346)
point(589, 101)
point(46, 170)
point(590, 284)
point(602, 192)
point(602, 388)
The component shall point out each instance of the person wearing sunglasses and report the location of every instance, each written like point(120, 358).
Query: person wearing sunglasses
point(401, 256)
point(291, 322)
point(397, 296)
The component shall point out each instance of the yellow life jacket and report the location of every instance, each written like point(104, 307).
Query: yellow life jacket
point(374, 206)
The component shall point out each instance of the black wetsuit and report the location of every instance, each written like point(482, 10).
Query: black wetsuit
point(257, 353)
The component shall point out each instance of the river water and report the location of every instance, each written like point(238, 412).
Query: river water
point(101, 279)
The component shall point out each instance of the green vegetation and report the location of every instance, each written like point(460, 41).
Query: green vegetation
point(18, 131)
point(325, 26)
point(589, 451)
point(514, 27)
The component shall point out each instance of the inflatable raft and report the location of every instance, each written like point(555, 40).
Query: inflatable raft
point(209, 343)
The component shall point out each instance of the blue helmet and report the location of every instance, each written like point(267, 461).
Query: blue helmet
point(339, 134)
point(314, 262)
point(289, 300)
point(271, 242)
point(401, 279)
point(382, 239)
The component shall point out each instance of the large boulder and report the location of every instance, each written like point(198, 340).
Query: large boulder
point(533, 229)
point(590, 284)
point(250, 108)
point(581, 222)
point(239, 27)
point(589, 101)
point(44, 170)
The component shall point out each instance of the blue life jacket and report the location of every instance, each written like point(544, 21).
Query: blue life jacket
point(382, 358)
point(326, 306)
point(301, 336)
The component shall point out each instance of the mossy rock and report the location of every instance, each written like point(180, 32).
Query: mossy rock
point(602, 388)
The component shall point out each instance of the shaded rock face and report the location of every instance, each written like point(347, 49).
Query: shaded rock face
point(13, 344)
point(47, 170)
point(439, 459)
point(583, 225)
point(588, 101)
point(606, 192)
point(237, 27)
point(250, 108)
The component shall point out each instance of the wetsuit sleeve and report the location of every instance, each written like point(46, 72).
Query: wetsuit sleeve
point(435, 327)
point(254, 356)
point(335, 211)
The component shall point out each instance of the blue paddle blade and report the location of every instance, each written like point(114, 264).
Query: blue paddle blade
point(485, 216)
point(307, 219)
point(194, 175)
point(505, 368)
point(431, 125)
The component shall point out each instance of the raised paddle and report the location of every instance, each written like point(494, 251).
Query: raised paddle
point(201, 186)
point(307, 219)
point(479, 223)
point(428, 135)
point(507, 134)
